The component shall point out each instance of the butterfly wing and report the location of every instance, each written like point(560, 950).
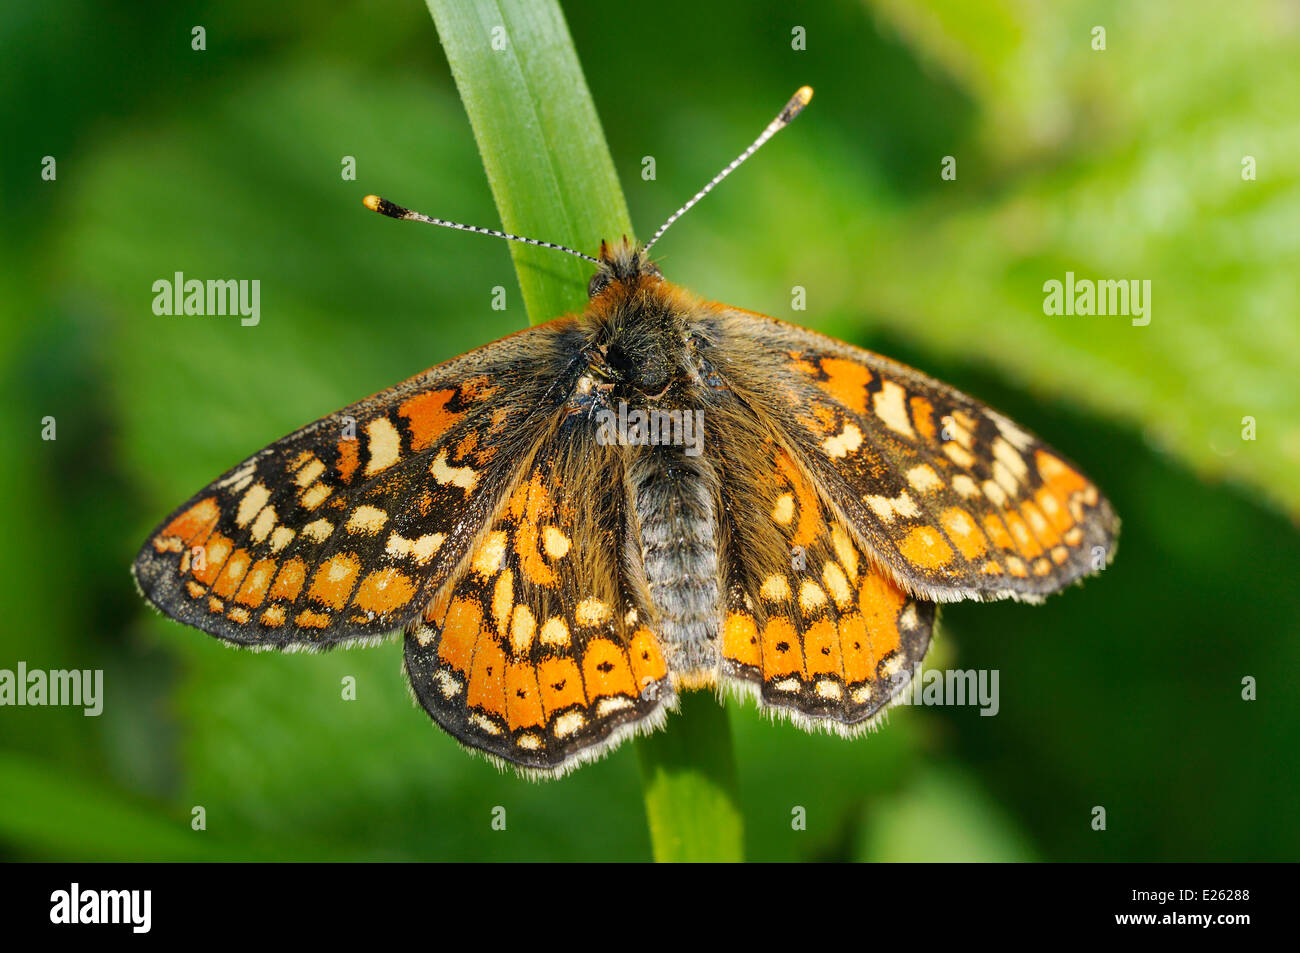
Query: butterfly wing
point(537, 655)
point(345, 529)
point(949, 497)
point(810, 627)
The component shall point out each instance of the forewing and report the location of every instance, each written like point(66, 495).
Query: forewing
point(540, 654)
point(345, 529)
point(949, 497)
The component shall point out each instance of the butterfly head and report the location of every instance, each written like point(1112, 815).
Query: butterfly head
point(622, 263)
point(635, 325)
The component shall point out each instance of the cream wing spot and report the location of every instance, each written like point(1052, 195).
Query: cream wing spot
point(996, 495)
point(282, 536)
point(592, 612)
point(309, 472)
point(421, 550)
point(887, 508)
point(555, 542)
point(965, 486)
point(254, 498)
point(775, 588)
point(841, 445)
point(845, 551)
point(1017, 437)
point(366, 519)
point(958, 524)
point(503, 600)
point(1010, 458)
point(890, 404)
point(958, 428)
point(829, 690)
point(216, 552)
point(240, 479)
point(568, 723)
point(838, 586)
point(491, 554)
point(314, 496)
point(607, 706)
point(1004, 478)
point(522, 628)
point(555, 633)
point(783, 510)
point(1036, 521)
point(485, 723)
point(318, 530)
point(384, 443)
point(464, 477)
point(811, 597)
point(263, 525)
point(924, 479)
point(959, 455)
point(448, 683)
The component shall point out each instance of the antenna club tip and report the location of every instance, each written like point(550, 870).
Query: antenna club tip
point(384, 207)
point(797, 102)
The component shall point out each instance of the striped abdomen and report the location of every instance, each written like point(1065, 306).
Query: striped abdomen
point(673, 498)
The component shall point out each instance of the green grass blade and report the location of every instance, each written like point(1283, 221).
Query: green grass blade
point(691, 792)
point(540, 139)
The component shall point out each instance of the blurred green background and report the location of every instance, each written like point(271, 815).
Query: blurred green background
point(1122, 163)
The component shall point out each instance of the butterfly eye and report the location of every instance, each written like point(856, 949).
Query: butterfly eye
point(617, 361)
point(597, 284)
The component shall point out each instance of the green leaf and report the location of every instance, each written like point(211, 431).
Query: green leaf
point(540, 139)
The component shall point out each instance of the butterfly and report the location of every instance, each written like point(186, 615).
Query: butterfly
point(576, 523)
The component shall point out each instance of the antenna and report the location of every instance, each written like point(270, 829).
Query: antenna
point(795, 106)
point(392, 210)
